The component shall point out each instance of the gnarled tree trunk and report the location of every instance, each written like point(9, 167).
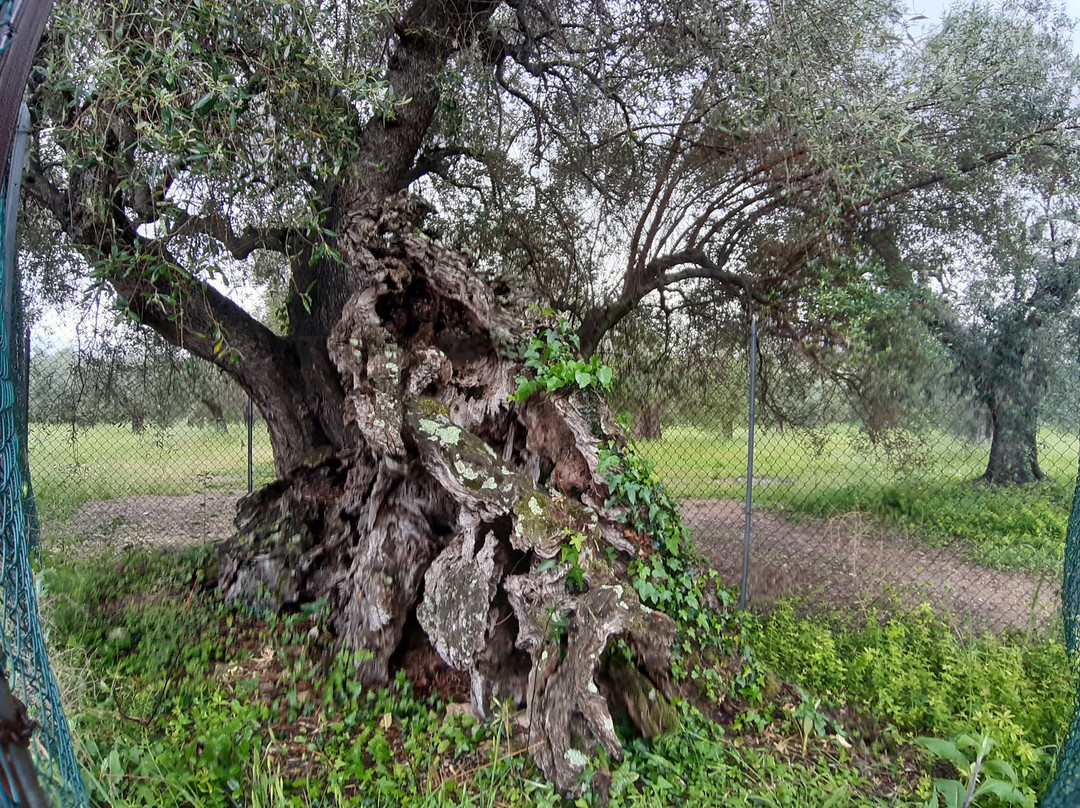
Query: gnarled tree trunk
point(445, 505)
point(1014, 454)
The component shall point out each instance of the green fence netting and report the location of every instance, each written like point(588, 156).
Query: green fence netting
point(1064, 790)
point(7, 9)
point(24, 660)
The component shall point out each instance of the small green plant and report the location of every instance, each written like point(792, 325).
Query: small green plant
point(971, 757)
point(571, 554)
point(810, 720)
point(553, 361)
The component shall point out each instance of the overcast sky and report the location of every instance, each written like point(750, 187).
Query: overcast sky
point(935, 9)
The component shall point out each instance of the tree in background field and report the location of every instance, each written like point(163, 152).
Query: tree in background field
point(595, 153)
point(682, 360)
point(137, 380)
point(1007, 333)
point(984, 266)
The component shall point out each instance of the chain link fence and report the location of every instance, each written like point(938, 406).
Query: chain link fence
point(135, 443)
point(860, 500)
point(855, 503)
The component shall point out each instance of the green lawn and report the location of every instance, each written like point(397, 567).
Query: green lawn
point(925, 487)
point(106, 462)
point(820, 711)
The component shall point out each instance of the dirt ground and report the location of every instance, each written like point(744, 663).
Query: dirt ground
point(854, 561)
point(846, 561)
point(166, 522)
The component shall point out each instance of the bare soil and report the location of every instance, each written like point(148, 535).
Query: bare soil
point(854, 561)
point(847, 561)
point(163, 522)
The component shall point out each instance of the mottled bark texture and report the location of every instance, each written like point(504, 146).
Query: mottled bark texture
point(446, 507)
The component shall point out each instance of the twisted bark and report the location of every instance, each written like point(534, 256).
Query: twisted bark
point(450, 505)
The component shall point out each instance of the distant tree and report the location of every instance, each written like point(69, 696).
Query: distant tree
point(1008, 333)
point(985, 265)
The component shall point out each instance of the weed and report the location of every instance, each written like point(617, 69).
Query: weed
point(553, 361)
point(915, 677)
point(971, 757)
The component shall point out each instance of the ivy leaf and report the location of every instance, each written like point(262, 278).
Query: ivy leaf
point(583, 378)
point(575, 579)
point(604, 375)
point(524, 390)
point(672, 543)
point(608, 460)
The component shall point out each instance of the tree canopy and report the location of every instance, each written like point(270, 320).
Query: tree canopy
point(596, 153)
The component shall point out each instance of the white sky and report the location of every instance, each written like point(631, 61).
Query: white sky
point(935, 10)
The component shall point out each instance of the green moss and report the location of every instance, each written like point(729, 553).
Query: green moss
point(534, 519)
point(430, 408)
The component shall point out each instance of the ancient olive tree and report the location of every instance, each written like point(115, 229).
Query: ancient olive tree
point(1002, 305)
point(1008, 346)
point(601, 152)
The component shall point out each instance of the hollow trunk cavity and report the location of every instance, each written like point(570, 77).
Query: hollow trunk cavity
point(450, 508)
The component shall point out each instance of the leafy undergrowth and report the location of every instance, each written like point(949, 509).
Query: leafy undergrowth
point(178, 699)
point(912, 675)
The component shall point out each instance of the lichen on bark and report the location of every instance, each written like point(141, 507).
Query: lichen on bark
point(451, 506)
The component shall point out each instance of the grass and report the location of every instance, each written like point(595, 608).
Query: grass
point(922, 486)
point(180, 699)
point(105, 462)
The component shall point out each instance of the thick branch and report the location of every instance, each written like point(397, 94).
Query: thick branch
point(657, 275)
point(42, 190)
point(429, 34)
point(239, 245)
point(434, 162)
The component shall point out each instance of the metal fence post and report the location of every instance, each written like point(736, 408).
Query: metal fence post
point(749, 464)
point(251, 432)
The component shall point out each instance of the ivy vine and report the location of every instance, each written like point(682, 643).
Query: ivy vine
point(552, 360)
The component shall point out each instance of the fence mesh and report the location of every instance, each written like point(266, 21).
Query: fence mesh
point(25, 660)
point(856, 505)
point(133, 442)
